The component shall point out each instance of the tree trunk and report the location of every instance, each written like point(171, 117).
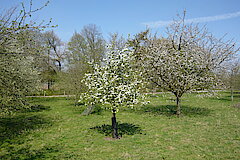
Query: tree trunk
point(114, 126)
point(75, 100)
point(178, 106)
point(59, 66)
point(232, 94)
point(48, 85)
point(88, 110)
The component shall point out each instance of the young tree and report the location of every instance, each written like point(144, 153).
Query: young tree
point(230, 75)
point(183, 61)
point(115, 83)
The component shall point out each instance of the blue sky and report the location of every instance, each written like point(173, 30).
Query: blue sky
point(132, 16)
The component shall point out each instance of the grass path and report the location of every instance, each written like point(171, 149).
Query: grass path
point(208, 129)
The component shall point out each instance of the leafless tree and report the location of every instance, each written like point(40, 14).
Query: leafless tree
point(56, 50)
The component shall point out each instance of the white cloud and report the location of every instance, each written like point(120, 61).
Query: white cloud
point(194, 20)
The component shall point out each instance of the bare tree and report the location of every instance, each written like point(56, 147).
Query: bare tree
point(56, 50)
point(53, 57)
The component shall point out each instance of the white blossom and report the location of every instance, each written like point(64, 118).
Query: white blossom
point(185, 60)
point(116, 82)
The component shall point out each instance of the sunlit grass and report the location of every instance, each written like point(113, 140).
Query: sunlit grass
point(208, 129)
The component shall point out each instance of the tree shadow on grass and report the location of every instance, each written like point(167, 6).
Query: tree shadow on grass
point(27, 152)
point(171, 110)
point(226, 97)
point(13, 143)
point(234, 96)
point(45, 99)
point(98, 110)
point(35, 108)
point(223, 99)
point(12, 127)
point(123, 129)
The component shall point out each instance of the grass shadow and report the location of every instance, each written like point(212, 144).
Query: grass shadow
point(45, 99)
point(12, 132)
point(27, 153)
point(98, 110)
point(35, 108)
point(236, 105)
point(123, 129)
point(227, 96)
point(171, 110)
point(223, 99)
point(12, 127)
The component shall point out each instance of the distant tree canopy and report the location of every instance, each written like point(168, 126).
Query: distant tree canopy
point(86, 46)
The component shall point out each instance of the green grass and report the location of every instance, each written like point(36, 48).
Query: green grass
point(208, 129)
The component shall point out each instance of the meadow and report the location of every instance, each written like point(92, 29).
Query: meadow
point(53, 128)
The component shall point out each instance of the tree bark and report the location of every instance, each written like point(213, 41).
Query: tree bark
point(114, 126)
point(48, 85)
point(88, 110)
point(59, 65)
point(178, 106)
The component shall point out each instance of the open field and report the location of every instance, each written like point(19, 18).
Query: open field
point(208, 129)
